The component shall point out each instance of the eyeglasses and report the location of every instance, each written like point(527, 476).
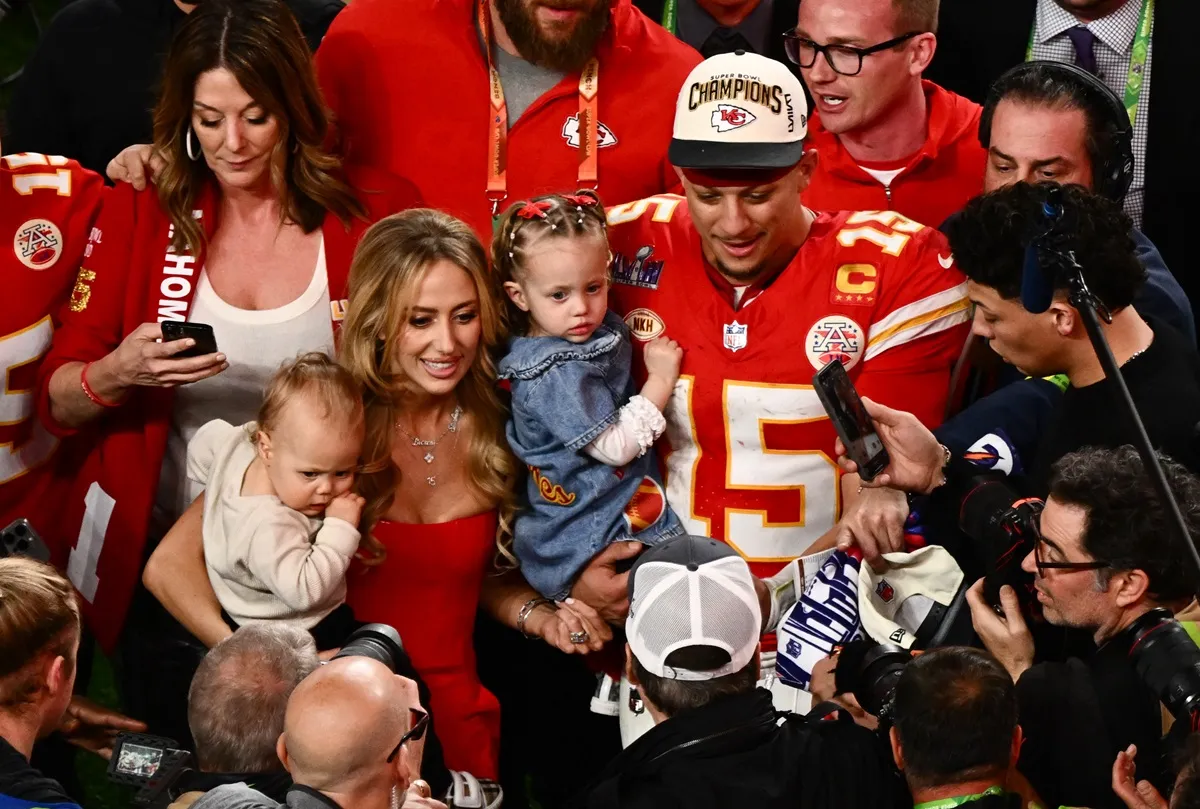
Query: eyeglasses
point(844, 59)
point(1042, 567)
point(419, 720)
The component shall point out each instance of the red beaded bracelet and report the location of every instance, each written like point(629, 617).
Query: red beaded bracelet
point(91, 394)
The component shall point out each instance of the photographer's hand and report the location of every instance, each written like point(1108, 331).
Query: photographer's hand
point(916, 456)
point(94, 727)
point(1007, 637)
point(1135, 794)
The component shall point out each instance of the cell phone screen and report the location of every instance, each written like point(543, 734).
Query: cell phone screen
point(851, 420)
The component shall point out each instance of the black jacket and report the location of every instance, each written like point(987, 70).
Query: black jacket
point(978, 41)
point(783, 19)
point(21, 782)
point(90, 88)
point(739, 752)
point(1076, 716)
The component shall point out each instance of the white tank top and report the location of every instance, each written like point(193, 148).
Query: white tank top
point(256, 342)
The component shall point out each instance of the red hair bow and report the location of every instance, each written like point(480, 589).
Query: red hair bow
point(533, 210)
point(581, 199)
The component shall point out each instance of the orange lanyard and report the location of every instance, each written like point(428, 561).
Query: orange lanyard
point(589, 86)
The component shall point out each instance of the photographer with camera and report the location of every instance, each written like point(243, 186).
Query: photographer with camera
point(236, 706)
point(955, 734)
point(1105, 561)
point(693, 642)
point(350, 741)
point(39, 645)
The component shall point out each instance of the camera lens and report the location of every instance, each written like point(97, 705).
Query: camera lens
point(869, 671)
point(376, 641)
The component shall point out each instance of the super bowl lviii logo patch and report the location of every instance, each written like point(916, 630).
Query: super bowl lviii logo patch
point(38, 244)
point(834, 337)
point(639, 271)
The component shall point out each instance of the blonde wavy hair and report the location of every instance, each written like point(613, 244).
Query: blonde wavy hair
point(393, 257)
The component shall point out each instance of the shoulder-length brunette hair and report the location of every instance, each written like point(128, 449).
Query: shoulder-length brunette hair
point(391, 260)
point(260, 43)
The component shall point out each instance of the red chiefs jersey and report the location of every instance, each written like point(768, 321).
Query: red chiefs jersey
point(749, 456)
point(47, 205)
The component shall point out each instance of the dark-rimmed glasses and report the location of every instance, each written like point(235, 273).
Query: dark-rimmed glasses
point(1043, 566)
point(846, 60)
point(419, 720)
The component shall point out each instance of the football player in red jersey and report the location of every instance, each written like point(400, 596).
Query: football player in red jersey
point(47, 205)
point(761, 292)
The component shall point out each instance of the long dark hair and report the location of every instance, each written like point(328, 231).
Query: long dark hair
point(260, 43)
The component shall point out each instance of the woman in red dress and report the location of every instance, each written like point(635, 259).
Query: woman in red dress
point(422, 327)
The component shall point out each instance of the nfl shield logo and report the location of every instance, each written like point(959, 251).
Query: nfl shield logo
point(735, 336)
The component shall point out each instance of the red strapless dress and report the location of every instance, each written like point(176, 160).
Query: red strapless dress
point(428, 589)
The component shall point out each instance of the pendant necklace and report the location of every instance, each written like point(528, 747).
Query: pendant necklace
point(429, 457)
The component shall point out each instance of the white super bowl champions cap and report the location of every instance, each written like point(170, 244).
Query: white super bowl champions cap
point(739, 111)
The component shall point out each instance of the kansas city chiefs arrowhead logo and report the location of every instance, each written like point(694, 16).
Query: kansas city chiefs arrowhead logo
point(727, 117)
point(570, 133)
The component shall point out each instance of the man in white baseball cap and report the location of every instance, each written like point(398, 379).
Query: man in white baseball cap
point(693, 643)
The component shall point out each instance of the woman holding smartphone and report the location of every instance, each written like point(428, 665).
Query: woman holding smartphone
point(250, 229)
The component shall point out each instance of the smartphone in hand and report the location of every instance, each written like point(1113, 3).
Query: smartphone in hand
point(202, 333)
point(851, 420)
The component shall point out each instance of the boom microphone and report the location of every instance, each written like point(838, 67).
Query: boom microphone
point(1037, 285)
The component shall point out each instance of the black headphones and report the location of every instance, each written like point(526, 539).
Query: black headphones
point(1112, 177)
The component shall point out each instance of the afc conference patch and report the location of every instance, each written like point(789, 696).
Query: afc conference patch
point(38, 244)
point(834, 337)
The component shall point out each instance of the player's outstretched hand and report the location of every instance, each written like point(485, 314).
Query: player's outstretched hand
point(133, 165)
point(347, 506)
point(94, 727)
point(142, 360)
point(916, 455)
point(663, 358)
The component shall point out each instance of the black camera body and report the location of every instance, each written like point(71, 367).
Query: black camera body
point(152, 764)
point(869, 671)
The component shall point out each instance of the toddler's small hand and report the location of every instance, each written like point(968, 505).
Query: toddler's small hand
point(663, 358)
point(346, 507)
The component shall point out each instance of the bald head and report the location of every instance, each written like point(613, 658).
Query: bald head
point(343, 721)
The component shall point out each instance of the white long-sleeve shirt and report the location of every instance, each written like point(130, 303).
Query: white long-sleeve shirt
point(266, 562)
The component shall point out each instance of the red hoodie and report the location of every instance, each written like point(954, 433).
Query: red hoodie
point(935, 182)
point(408, 83)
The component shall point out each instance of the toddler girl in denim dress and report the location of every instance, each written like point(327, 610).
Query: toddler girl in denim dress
point(577, 423)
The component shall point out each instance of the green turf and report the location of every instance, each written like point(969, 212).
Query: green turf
point(18, 37)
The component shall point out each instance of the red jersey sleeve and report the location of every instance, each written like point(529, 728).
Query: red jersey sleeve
point(92, 317)
point(919, 326)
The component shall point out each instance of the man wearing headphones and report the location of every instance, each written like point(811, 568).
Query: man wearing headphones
point(1051, 121)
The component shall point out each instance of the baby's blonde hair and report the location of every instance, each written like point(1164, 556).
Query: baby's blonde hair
point(317, 376)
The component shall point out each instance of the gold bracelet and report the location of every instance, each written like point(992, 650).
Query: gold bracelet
point(527, 610)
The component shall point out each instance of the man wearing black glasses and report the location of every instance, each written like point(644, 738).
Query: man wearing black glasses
point(351, 740)
point(887, 139)
point(1104, 556)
